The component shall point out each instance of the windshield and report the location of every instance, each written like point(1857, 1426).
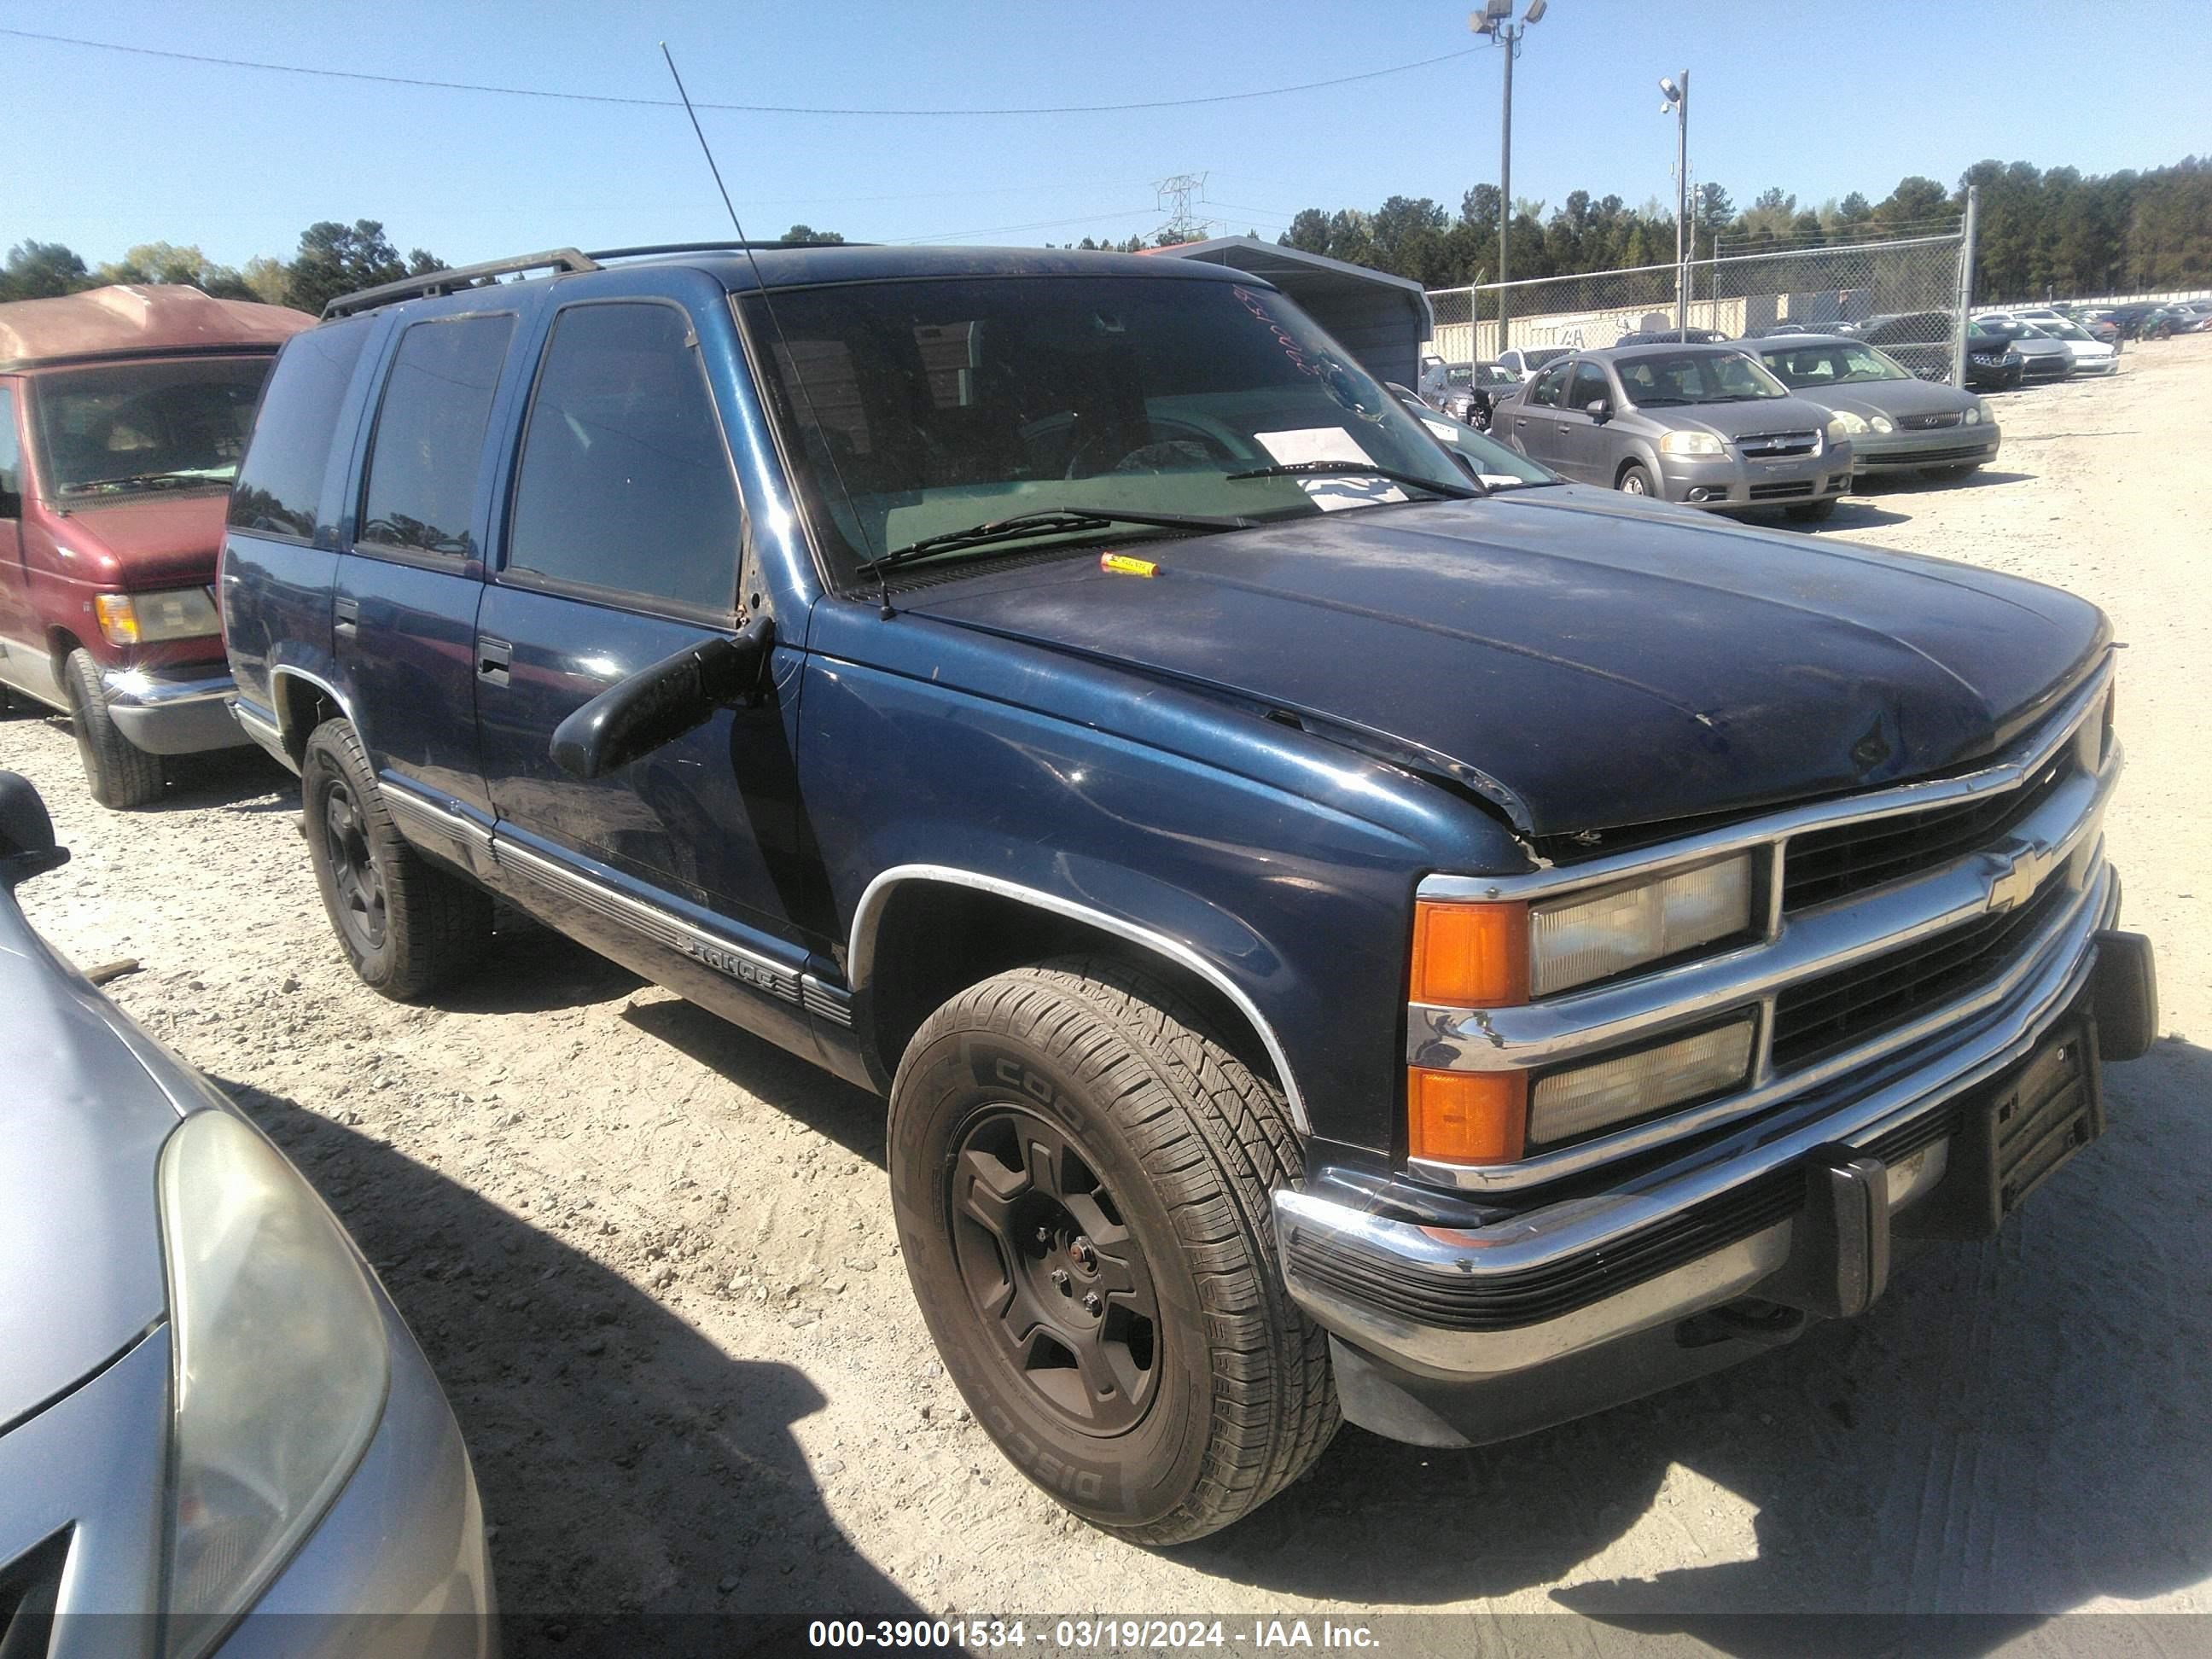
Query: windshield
point(178, 424)
point(915, 409)
point(1833, 365)
point(1664, 379)
point(2060, 329)
point(1496, 465)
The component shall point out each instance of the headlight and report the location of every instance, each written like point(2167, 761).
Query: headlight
point(281, 1369)
point(181, 613)
point(1691, 443)
point(1883, 423)
point(1572, 1104)
point(1972, 416)
point(1573, 941)
point(1844, 424)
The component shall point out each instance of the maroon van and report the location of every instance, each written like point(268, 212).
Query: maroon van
point(123, 411)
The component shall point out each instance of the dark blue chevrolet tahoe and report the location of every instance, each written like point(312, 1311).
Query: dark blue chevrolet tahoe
point(1342, 931)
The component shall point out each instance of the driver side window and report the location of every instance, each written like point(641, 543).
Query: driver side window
point(1589, 387)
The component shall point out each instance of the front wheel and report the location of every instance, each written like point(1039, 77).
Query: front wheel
point(121, 773)
point(1634, 480)
point(1081, 1176)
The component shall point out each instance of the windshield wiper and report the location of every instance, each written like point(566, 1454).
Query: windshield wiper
point(1066, 521)
point(1365, 469)
point(173, 475)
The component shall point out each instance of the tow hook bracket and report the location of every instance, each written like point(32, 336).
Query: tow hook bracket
point(1839, 1261)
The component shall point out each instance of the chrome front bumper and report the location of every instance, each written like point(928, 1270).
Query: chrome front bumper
point(167, 715)
point(1691, 1235)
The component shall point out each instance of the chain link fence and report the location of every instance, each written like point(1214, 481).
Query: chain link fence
point(1901, 295)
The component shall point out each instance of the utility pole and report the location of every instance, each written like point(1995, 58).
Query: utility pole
point(1676, 102)
point(1495, 20)
point(1965, 300)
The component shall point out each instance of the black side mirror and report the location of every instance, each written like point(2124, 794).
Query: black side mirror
point(27, 833)
point(658, 705)
point(1599, 409)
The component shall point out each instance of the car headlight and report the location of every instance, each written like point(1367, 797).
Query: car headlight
point(1574, 1103)
point(281, 1369)
point(181, 613)
point(1972, 416)
point(1883, 423)
point(1691, 443)
point(1844, 424)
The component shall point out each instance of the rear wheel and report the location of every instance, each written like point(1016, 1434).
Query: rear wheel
point(1813, 512)
point(406, 925)
point(1634, 480)
point(1080, 1174)
point(122, 774)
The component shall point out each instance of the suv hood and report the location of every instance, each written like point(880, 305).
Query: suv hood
point(80, 1273)
point(1583, 665)
point(147, 541)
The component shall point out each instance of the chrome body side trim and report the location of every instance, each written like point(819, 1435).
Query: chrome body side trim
point(1576, 1232)
point(664, 927)
point(2050, 735)
point(824, 1001)
point(860, 955)
point(420, 815)
point(263, 730)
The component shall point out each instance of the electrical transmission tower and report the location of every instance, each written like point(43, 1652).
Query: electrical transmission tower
point(1175, 195)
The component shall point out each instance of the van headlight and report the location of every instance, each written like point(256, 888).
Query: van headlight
point(281, 1369)
point(1844, 424)
point(1691, 443)
point(178, 613)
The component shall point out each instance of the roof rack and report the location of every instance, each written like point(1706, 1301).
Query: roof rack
point(459, 276)
point(706, 248)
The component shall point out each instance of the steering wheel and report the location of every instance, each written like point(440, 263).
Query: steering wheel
point(1162, 434)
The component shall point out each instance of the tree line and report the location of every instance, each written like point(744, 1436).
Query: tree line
point(332, 258)
point(2057, 230)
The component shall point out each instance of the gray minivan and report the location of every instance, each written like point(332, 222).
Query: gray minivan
point(1704, 425)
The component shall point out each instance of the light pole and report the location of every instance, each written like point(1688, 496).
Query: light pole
point(1675, 102)
point(1495, 20)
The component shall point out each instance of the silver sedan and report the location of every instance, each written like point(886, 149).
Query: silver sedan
point(1896, 422)
point(1703, 425)
point(209, 1407)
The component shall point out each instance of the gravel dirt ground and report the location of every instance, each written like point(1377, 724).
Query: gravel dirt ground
point(651, 1259)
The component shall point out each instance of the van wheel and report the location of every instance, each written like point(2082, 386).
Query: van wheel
point(1635, 481)
point(406, 925)
point(1813, 512)
point(1081, 1176)
point(122, 774)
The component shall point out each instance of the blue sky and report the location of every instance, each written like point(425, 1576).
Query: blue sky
point(1819, 99)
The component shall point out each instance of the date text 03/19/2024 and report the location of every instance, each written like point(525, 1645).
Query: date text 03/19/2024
point(1088, 1635)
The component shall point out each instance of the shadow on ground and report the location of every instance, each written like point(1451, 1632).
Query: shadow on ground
point(2016, 1429)
point(627, 1464)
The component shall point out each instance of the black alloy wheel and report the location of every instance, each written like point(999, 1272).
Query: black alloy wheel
point(362, 907)
point(1057, 1283)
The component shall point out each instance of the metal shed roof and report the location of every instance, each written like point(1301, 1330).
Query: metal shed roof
point(1381, 319)
point(135, 320)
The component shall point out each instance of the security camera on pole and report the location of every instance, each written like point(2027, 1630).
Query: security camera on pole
point(1677, 104)
point(1495, 20)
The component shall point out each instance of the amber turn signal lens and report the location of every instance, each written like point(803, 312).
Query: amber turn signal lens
point(1466, 1117)
point(1471, 956)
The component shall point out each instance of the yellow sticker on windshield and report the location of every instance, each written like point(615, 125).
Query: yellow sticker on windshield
point(1121, 564)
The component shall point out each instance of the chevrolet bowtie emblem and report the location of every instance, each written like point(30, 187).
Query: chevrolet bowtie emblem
point(2023, 873)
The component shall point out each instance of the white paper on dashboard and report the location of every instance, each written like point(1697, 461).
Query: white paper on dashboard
point(1328, 443)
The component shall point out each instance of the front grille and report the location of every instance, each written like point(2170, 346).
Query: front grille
point(30, 1585)
point(1929, 423)
point(1853, 858)
point(1836, 1010)
point(2047, 365)
point(1778, 491)
point(1766, 445)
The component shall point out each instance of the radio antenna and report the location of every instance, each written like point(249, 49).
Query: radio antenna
point(883, 583)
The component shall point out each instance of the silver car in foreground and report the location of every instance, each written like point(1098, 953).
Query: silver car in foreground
point(1703, 425)
point(1897, 422)
point(210, 1413)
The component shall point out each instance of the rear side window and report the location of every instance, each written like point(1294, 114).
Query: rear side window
point(625, 481)
point(429, 436)
point(280, 481)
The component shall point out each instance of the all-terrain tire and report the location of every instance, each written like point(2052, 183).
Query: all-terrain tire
point(1104, 1077)
point(406, 925)
point(122, 774)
